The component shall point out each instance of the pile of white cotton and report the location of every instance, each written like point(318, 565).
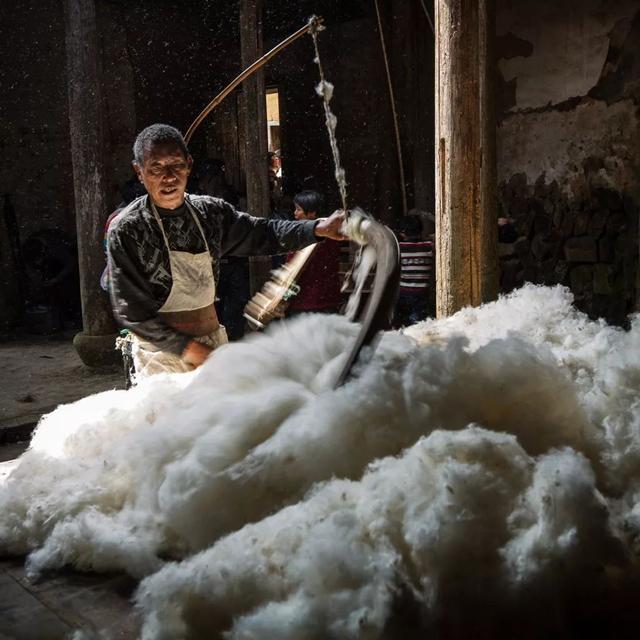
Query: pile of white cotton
point(480, 475)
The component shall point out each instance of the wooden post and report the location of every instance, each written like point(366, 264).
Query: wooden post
point(466, 216)
point(96, 344)
point(255, 129)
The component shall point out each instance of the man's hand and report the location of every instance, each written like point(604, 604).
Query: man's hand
point(195, 353)
point(331, 227)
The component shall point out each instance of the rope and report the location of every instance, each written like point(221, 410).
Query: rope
point(325, 90)
point(426, 13)
point(244, 75)
point(393, 110)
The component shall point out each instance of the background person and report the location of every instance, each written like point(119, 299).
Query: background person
point(319, 281)
point(416, 273)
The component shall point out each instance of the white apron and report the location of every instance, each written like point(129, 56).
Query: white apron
point(189, 307)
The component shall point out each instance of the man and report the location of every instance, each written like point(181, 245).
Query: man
point(319, 281)
point(164, 253)
point(129, 191)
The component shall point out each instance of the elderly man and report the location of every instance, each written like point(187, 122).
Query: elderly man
point(164, 250)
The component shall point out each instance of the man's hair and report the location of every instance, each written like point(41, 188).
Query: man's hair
point(157, 134)
point(309, 201)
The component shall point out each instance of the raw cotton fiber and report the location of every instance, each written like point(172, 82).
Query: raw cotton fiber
point(480, 476)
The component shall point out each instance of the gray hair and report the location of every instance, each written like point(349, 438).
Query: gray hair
point(157, 134)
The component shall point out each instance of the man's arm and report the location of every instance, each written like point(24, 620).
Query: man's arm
point(245, 235)
point(135, 306)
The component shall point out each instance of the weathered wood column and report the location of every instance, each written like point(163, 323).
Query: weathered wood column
point(466, 216)
point(255, 129)
point(95, 344)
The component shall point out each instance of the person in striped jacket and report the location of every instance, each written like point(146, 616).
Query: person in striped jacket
point(416, 273)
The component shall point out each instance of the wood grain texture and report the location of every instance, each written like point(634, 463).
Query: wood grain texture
point(255, 127)
point(87, 149)
point(466, 216)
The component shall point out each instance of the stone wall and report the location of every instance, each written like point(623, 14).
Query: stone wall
point(569, 148)
point(589, 244)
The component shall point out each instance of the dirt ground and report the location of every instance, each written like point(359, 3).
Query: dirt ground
point(40, 372)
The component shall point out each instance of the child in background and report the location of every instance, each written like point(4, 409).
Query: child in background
point(416, 273)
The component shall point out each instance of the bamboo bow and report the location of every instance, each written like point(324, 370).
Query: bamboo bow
point(314, 23)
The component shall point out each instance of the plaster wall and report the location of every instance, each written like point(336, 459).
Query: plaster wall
point(568, 145)
point(565, 46)
point(558, 106)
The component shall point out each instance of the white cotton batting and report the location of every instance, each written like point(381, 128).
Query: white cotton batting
point(470, 463)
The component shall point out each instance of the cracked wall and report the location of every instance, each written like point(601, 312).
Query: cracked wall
point(568, 141)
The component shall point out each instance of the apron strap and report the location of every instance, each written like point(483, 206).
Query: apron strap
point(193, 215)
point(197, 221)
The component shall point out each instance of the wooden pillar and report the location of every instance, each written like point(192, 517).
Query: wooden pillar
point(95, 343)
point(255, 129)
point(466, 217)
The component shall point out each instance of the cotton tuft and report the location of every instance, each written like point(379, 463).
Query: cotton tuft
point(487, 463)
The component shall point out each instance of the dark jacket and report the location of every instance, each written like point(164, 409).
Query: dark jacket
point(139, 269)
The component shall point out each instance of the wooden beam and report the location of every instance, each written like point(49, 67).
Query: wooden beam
point(255, 129)
point(466, 217)
point(87, 149)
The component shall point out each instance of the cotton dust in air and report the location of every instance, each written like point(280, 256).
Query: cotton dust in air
point(479, 477)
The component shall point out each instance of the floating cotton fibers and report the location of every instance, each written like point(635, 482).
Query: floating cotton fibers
point(480, 477)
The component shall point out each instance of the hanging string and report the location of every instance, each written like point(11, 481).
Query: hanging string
point(426, 13)
point(393, 110)
point(325, 90)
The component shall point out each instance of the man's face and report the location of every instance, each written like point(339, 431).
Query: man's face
point(164, 173)
point(300, 214)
